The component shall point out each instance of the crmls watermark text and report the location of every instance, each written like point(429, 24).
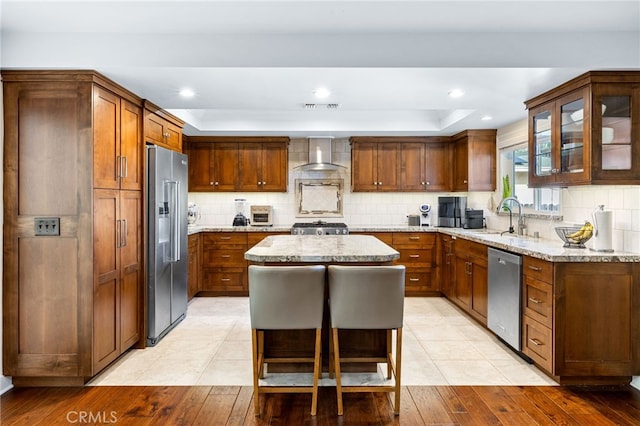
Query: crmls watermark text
point(90, 417)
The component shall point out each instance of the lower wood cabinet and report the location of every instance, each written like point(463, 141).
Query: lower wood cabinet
point(195, 264)
point(223, 264)
point(417, 253)
point(446, 264)
point(470, 285)
point(580, 320)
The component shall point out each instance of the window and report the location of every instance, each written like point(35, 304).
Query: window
point(514, 162)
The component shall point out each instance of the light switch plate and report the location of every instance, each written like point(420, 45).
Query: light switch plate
point(47, 226)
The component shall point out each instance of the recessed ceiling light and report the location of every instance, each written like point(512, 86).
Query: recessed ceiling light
point(322, 92)
point(487, 118)
point(456, 93)
point(187, 93)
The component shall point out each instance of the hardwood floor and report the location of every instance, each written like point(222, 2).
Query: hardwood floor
point(233, 405)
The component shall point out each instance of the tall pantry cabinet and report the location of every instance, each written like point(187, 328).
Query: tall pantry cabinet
point(73, 236)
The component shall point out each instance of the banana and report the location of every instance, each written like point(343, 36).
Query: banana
point(582, 234)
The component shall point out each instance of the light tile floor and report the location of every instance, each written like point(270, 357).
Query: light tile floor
point(212, 346)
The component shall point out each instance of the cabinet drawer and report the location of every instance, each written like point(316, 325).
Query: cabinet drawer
point(223, 258)
point(414, 239)
point(416, 257)
point(215, 239)
point(385, 237)
point(223, 281)
point(538, 300)
point(417, 281)
point(538, 269)
point(537, 343)
point(254, 238)
point(471, 248)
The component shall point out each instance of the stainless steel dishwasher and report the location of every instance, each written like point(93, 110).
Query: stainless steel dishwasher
point(505, 289)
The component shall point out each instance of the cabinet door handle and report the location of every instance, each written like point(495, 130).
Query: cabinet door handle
point(534, 300)
point(124, 167)
point(536, 342)
point(423, 183)
point(414, 279)
point(414, 238)
point(210, 183)
point(166, 135)
point(119, 166)
point(264, 183)
point(535, 268)
point(428, 183)
point(123, 234)
point(216, 183)
point(464, 181)
point(119, 233)
point(379, 183)
point(414, 256)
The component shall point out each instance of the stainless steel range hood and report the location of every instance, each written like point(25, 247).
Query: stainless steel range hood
point(320, 155)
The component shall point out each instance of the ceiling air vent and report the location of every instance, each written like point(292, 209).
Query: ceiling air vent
point(321, 106)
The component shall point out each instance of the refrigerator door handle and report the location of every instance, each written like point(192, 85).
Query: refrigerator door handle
point(174, 255)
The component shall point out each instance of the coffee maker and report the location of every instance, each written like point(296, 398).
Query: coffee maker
point(451, 212)
point(425, 215)
point(240, 219)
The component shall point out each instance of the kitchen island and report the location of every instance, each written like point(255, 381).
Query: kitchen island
point(325, 250)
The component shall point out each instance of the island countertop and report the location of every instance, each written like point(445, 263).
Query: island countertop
point(321, 249)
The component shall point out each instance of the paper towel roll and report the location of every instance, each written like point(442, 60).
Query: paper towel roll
point(603, 223)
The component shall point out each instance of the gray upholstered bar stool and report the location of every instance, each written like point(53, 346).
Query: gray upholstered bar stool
point(368, 297)
point(285, 298)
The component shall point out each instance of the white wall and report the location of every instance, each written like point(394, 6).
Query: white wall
point(5, 382)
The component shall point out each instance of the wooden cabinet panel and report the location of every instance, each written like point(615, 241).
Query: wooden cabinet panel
point(420, 282)
point(417, 252)
point(131, 147)
point(413, 167)
point(462, 282)
point(250, 156)
point(388, 167)
point(537, 268)
point(416, 257)
point(227, 281)
point(537, 343)
point(438, 162)
point(131, 297)
point(474, 160)
point(224, 269)
point(162, 128)
point(106, 139)
point(225, 239)
point(479, 290)
point(213, 166)
point(414, 239)
point(364, 167)
point(220, 258)
point(446, 265)
point(471, 278)
point(194, 266)
point(537, 299)
point(274, 167)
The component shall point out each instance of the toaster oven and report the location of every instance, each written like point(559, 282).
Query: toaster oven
point(261, 215)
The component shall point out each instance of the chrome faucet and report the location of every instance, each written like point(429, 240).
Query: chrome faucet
point(520, 218)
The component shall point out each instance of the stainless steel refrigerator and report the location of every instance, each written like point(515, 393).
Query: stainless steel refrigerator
point(167, 241)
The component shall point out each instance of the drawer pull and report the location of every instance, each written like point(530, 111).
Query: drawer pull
point(225, 279)
point(414, 238)
point(535, 268)
point(225, 256)
point(414, 256)
point(225, 238)
point(536, 342)
point(534, 300)
point(414, 279)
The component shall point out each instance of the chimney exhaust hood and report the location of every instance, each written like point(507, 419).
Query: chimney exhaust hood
point(320, 155)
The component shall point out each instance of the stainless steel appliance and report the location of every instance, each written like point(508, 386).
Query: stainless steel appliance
point(319, 228)
point(167, 241)
point(474, 219)
point(504, 313)
point(261, 216)
point(451, 211)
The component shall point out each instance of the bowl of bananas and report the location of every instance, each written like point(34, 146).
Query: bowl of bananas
point(575, 236)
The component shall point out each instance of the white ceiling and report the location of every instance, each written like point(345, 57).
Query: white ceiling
point(388, 64)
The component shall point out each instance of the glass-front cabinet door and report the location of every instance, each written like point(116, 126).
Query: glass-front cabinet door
point(616, 154)
point(540, 156)
point(573, 138)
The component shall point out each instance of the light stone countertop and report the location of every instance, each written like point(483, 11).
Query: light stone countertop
point(541, 248)
point(323, 249)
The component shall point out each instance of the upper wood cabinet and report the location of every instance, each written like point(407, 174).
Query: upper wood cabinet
point(474, 160)
point(586, 131)
point(118, 146)
point(212, 166)
point(73, 151)
point(375, 165)
point(237, 163)
point(161, 128)
point(263, 166)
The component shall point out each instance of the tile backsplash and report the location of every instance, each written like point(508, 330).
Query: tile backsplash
point(369, 208)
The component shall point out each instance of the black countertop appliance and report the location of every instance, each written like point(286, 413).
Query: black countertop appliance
point(451, 211)
point(474, 219)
